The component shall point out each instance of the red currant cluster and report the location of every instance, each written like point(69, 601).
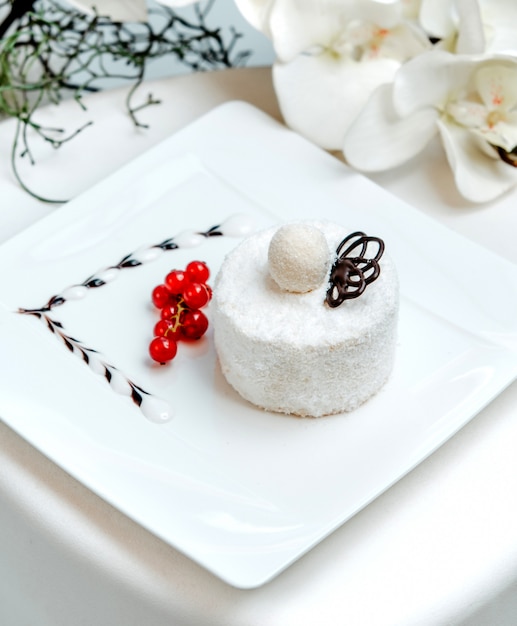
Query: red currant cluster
point(179, 300)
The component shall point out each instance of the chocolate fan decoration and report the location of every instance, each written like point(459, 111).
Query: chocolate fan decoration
point(353, 269)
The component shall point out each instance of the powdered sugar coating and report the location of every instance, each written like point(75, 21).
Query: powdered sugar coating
point(290, 352)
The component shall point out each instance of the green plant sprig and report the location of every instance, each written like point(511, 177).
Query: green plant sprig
point(49, 51)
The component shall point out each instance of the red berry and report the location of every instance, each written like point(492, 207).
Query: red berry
point(169, 311)
point(197, 272)
point(162, 349)
point(167, 328)
point(196, 295)
point(194, 324)
point(176, 281)
point(160, 296)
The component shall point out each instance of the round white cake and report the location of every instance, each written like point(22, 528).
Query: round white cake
point(286, 350)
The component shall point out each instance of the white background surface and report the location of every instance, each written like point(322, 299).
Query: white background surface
point(438, 548)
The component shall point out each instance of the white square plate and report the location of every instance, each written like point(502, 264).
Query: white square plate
point(241, 491)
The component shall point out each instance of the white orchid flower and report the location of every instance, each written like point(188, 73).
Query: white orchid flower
point(331, 55)
point(347, 55)
point(457, 24)
point(471, 102)
point(296, 26)
point(471, 26)
point(123, 10)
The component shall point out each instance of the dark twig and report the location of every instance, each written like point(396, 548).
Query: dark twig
point(49, 50)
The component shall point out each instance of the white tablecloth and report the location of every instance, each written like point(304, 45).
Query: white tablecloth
point(440, 547)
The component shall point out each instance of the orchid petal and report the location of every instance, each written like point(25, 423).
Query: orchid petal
point(471, 38)
point(299, 25)
point(500, 19)
point(467, 113)
point(256, 12)
point(498, 11)
point(471, 26)
point(479, 178)
point(497, 85)
point(320, 96)
point(436, 18)
point(428, 80)
point(411, 9)
point(384, 13)
point(378, 139)
point(365, 40)
point(403, 42)
point(129, 11)
point(501, 39)
point(502, 134)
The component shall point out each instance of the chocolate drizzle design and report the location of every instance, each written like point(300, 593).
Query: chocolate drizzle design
point(353, 269)
point(152, 407)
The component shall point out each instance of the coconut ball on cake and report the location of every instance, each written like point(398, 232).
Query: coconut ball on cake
point(299, 330)
point(298, 257)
